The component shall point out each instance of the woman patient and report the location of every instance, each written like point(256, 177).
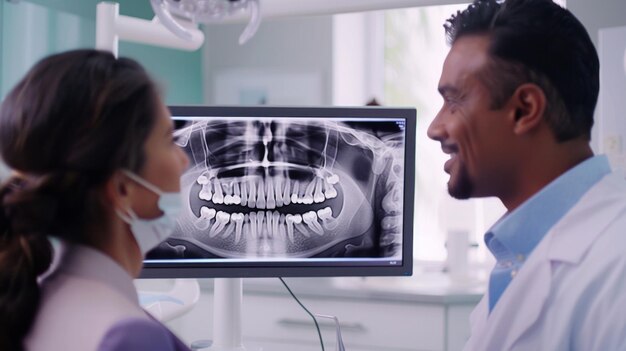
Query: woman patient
point(95, 166)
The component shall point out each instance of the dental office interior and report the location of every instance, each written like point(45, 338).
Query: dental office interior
point(387, 53)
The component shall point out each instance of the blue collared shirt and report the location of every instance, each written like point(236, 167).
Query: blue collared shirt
point(516, 234)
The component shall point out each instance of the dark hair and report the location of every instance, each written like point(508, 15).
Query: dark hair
point(536, 41)
point(65, 128)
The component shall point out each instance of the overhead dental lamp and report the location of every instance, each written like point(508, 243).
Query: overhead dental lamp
point(170, 12)
point(175, 24)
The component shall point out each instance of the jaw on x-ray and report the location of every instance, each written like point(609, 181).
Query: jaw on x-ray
point(290, 188)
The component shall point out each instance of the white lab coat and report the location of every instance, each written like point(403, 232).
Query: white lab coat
point(570, 294)
point(85, 295)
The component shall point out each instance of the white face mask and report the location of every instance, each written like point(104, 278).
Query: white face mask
point(149, 233)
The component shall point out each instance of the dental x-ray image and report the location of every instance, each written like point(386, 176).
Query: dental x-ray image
point(290, 188)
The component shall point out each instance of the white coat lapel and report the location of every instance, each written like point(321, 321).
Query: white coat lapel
point(577, 231)
point(521, 303)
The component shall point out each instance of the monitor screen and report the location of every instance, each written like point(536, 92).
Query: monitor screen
point(283, 191)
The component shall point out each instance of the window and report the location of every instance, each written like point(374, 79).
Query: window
point(415, 48)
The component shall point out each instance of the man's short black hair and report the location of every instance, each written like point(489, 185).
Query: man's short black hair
point(540, 42)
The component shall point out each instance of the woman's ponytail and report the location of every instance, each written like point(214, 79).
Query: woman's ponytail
point(23, 257)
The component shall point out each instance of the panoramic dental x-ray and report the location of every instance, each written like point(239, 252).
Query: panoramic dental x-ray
point(290, 188)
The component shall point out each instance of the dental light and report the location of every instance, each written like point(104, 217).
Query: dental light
point(175, 24)
point(170, 12)
point(111, 27)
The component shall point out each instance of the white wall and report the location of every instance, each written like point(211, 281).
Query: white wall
point(595, 15)
point(301, 45)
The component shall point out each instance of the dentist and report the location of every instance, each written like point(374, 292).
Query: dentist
point(96, 167)
point(520, 86)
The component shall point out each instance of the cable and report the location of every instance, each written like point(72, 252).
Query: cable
point(319, 333)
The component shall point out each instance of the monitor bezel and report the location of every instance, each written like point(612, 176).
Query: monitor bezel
point(267, 270)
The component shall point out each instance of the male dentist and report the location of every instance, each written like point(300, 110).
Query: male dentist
point(520, 86)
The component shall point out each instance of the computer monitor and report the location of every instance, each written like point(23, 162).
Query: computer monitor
point(292, 192)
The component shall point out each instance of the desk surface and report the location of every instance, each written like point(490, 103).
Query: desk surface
point(431, 288)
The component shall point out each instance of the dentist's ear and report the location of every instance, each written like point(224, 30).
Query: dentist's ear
point(529, 104)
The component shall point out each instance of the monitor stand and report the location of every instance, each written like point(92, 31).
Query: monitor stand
point(227, 315)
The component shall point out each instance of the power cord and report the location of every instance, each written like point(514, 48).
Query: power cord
point(319, 333)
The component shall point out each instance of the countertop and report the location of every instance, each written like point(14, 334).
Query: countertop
point(434, 288)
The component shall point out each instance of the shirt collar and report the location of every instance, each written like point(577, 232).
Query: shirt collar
point(88, 263)
point(518, 232)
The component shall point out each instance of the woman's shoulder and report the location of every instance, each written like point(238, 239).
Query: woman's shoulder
point(83, 308)
point(86, 299)
point(140, 334)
